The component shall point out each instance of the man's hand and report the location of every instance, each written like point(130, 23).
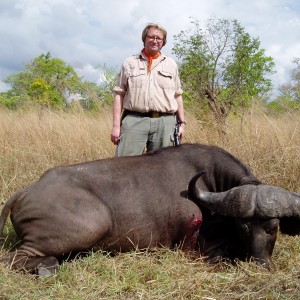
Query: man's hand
point(181, 130)
point(115, 134)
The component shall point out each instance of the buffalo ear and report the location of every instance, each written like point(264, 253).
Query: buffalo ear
point(290, 226)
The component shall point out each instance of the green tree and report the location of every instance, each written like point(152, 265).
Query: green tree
point(222, 66)
point(46, 81)
point(51, 82)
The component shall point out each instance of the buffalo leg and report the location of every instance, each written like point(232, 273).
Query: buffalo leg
point(31, 261)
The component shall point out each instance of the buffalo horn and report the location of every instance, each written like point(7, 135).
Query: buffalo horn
point(263, 201)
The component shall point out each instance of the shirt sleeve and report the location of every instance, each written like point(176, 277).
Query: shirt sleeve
point(121, 82)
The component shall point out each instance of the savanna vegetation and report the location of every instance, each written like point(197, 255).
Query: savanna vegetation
point(52, 117)
point(34, 141)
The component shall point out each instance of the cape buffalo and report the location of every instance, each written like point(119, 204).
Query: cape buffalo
point(157, 199)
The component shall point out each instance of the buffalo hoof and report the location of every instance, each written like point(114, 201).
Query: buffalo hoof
point(43, 270)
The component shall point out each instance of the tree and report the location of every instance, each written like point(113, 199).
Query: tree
point(51, 82)
point(223, 65)
point(295, 77)
point(291, 90)
point(288, 99)
point(46, 81)
point(91, 92)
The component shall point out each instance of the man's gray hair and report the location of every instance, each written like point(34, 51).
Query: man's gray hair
point(156, 26)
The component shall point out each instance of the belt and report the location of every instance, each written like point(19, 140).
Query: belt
point(149, 114)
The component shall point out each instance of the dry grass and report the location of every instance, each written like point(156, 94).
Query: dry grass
point(32, 142)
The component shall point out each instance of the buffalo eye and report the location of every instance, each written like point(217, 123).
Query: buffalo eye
point(271, 226)
point(244, 227)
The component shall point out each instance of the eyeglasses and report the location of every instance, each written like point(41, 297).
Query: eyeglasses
point(153, 38)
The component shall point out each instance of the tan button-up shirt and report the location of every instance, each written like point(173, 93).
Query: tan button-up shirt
point(149, 91)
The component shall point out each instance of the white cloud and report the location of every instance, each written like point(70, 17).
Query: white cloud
point(90, 33)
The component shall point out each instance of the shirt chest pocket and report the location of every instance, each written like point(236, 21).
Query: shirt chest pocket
point(165, 80)
point(136, 79)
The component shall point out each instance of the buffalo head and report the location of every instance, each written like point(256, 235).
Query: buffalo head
point(243, 221)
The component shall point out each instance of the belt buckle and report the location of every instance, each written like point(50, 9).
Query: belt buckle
point(155, 114)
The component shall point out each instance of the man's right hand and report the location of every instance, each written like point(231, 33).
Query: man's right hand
point(115, 134)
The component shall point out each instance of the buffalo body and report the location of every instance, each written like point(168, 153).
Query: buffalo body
point(147, 201)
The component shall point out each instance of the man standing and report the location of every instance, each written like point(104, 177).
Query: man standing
point(148, 91)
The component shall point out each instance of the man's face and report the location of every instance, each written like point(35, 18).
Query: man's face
point(153, 41)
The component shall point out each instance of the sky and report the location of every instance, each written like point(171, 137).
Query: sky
point(90, 34)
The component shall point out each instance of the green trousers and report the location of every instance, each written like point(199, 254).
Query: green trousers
point(142, 134)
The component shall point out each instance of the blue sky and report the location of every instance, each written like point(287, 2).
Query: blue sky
point(90, 33)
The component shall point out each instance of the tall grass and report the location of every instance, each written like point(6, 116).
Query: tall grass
point(32, 142)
